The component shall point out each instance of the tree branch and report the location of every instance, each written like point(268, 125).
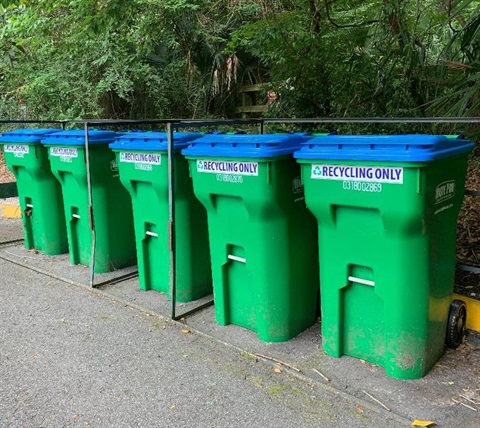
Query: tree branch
point(362, 24)
point(316, 17)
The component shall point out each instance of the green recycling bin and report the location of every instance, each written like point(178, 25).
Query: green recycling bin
point(386, 208)
point(111, 205)
point(39, 193)
point(143, 166)
point(263, 251)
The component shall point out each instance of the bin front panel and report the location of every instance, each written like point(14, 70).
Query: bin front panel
point(112, 212)
point(39, 193)
point(263, 250)
point(144, 173)
point(387, 246)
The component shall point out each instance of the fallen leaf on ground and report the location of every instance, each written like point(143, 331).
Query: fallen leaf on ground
point(418, 423)
point(185, 330)
point(277, 370)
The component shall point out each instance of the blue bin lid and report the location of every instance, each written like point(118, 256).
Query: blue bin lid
point(246, 145)
point(395, 148)
point(25, 136)
point(76, 137)
point(153, 140)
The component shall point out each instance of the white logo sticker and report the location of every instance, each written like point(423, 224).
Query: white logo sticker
point(373, 174)
point(232, 167)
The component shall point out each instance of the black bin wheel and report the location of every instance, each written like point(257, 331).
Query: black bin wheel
point(457, 319)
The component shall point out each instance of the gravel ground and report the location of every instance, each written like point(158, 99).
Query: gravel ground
point(10, 229)
point(438, 396)
point(9, 201)
point(71, 358)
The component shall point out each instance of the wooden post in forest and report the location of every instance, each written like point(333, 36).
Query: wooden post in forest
point(250, 104)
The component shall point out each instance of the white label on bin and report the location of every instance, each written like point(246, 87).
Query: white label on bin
point(373, 174)
point(232, 167)
point(19, 151)
point(141, 158)
point(63, 152)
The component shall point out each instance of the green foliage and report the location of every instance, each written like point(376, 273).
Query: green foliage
point(187, 58)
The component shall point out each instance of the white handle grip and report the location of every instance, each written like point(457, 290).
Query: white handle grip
point(237, 259)
point(361, 281)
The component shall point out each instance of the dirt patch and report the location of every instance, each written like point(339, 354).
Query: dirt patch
point(5, 175)
point(468, 233)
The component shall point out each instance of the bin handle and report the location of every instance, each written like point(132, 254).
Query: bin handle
point(155, 235)
point(237, 259)
point(75, 216)
point(361, 281)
